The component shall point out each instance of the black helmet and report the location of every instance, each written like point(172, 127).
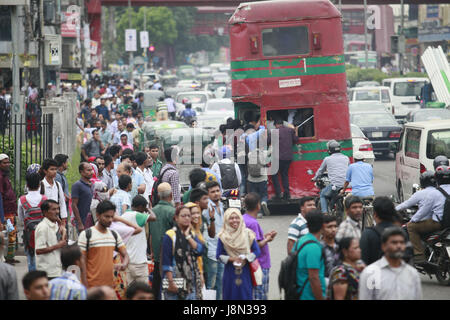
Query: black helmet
point(427, 179)
point(333, 146)
point(442, 175)
point(188, 105)
point(440, 161)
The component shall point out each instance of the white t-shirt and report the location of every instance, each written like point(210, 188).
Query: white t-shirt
point(137, 244)
point(45, 237)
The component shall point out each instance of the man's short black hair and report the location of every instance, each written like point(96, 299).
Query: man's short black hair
point(137, 286)
point(140, 158)
point(99, 157)
point(350, 200)
point(141, 94)
point(278, 121)
point(95, 130)
point(49, 163)
point(124, 135)
point(392, 231)
point(212, 184)
point(70, 255)
point(61, 159)
point(384, 208)
point(314, 221)
point(328, 218)
point(196, 176)
point(33, 180)
point(31, 277)
point(251, 201)
point(168, 154)
point(197, 194)
point(124, 181)
point(114, 150)
point(108, 159)
point(306, 199)
point(130, 125)
point(153, 146)
point(46, 205)
point(139, 201)
point(105, 206)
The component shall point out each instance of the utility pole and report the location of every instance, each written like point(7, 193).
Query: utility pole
point(82, 46)
point(41, 47)
point(366, 54)
point(401, 39)
point(130, 63)
point(28, 34)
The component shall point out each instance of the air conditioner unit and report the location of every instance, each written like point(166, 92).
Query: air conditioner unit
point(71, 56)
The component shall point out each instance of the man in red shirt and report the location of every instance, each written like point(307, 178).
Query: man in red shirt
point(124, 142)
point(9, 206)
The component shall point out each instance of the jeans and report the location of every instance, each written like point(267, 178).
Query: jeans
point(215, 276)
point(283, 170)
point(173, 296)
point(31, 259)
point(259, 188)
point(325, 195)
point(156, 284)
point(243, 187)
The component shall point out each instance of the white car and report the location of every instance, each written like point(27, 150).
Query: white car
point(221, 76)
point(380, 94)
point(189, 84)
point(221, 107)
point(218, 88)
point(361, 143)
point(198, 100)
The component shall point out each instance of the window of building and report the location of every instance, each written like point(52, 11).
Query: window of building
point(5, 23)
point(285, 41)
point(303, 118)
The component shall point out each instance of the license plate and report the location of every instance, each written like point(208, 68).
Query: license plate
point(448, 250)
point(234, 203)
point(377, 134)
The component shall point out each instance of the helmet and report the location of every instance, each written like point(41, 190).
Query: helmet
point(333, 146)
point(188, 105)
point(358, 155)
point(427, 179)
point(442, 175)
point(440, 161)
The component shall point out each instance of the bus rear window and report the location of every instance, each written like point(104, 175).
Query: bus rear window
point(285, 41)
point(303, 118)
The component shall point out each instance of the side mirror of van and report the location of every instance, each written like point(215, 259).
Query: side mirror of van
point(418, 98)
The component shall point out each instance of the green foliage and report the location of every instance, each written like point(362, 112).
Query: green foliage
point(355, 74)
point(72, 174)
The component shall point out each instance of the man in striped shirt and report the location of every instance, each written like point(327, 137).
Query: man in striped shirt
point(69, 286)
point(298, 226)
point(169, 174)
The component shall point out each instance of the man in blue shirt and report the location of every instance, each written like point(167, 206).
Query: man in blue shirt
point(102, 109)
point(311, 262)
point(188, 112)
point(360, 176)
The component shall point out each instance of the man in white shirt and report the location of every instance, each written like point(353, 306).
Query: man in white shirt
point(298, 226)
point(143, 163)
point(137, 244)
point(53, 189)
point(228, 181)
point(49, 239)
point(390, 278)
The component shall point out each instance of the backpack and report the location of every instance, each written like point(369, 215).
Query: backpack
point(254, 169)
point(32, 217)
point(445, 222)
point(287, 278)
point(154, 196)
point(228, 175)
point(89, 235)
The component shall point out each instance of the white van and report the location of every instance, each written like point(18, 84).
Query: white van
point(380, 94)
point(404, 92)
point(420, 143)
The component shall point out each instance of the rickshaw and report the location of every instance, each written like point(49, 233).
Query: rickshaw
point(287, 61)
point(166, 134)
point(151, 98)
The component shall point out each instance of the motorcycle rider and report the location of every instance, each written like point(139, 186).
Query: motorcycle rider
point(440, 161)
point(188, 114)
point(427, 218)
point(360, 176)
point(227, 170)
point(336, 165)
point(428, 184)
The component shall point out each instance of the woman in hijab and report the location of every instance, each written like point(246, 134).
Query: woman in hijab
point(237, 247)
point(180, 249)
point(197, 229)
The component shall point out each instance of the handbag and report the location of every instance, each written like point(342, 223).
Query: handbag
point(256, 273)
point(180, 283)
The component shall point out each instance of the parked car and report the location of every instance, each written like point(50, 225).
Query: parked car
point(404, 93)
point(356, 106)
point(420, 143)
point(428, 114)
point(380, 94)
point(367, 84)
point(362, 143)
point(381, 128)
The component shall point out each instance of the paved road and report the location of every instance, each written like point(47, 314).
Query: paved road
point(279, 221)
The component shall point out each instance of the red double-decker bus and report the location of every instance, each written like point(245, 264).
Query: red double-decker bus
point(287, 61)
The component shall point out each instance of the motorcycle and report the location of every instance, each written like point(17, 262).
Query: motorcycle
point(231, 199)
point(336, 202)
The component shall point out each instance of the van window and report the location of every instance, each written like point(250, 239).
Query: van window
point(285, 41)
point(303, 117)
point(386, 84)
point(438, 143)
point(412, 143)
point(385, 96)
point(405, 89)
point(367, 95)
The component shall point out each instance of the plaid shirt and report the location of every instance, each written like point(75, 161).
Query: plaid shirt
point(173, 178)
point(349, 228)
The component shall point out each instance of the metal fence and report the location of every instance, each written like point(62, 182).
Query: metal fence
point(26, 140)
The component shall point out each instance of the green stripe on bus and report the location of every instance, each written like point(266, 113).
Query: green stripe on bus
point(286, 63)
point(323, 145)
point(277, 73)
point(317, 155)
